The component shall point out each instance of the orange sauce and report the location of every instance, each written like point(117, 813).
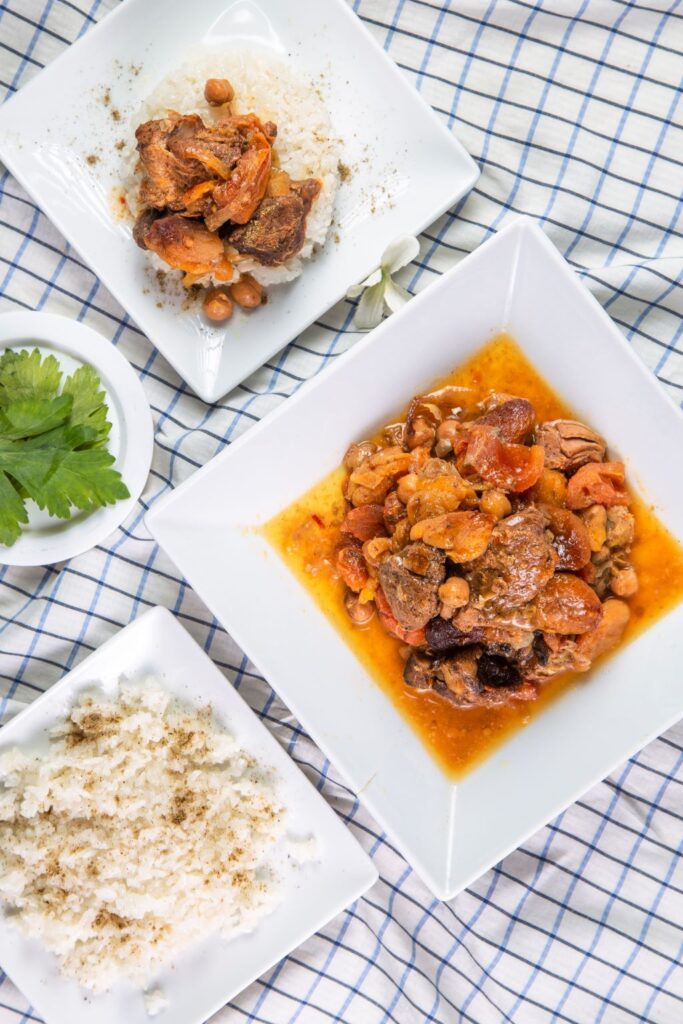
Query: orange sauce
point(306, 533)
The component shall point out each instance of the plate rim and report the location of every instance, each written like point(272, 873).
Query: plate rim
point(50, 328)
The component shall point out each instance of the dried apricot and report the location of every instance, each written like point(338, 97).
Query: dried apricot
point(463, 535)
point(567, 605)
point(364, 522)
point(598, 483)
point(509, 467)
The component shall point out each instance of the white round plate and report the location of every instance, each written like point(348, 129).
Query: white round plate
point(44, 539)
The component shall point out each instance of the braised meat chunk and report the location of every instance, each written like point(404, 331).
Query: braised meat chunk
point(185, 244)
point(217, 171)
point(496, 548)
point(410, 583)
point(278, 228)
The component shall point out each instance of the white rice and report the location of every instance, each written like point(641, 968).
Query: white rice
point(271, 89)
point(144, 828)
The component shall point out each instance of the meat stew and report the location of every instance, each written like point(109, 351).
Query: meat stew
point(481, 553)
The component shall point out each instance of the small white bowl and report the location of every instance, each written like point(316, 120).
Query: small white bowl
point(45, 539)
point(210, 973)
point(450, 832)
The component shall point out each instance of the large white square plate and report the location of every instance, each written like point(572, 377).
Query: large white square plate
point(450, 832)
point(408, 168)
point(212, 972)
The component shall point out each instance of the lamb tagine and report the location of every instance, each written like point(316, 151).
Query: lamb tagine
point(484, 549)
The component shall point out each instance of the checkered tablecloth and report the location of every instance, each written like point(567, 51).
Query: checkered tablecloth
point(571, 108)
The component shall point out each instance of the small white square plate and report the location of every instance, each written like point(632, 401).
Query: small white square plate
point(407, 167)
point(212, 972)
point(450, 832)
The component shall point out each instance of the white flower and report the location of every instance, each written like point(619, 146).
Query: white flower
point(379, 290)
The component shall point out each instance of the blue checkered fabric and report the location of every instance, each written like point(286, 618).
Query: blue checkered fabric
point(572, 109)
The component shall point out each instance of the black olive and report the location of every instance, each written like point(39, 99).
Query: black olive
point(442, 635)
point(540, 648)
point(492, 670)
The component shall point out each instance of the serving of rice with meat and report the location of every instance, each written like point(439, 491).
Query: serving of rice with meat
point(303, 147)
point(142, 829)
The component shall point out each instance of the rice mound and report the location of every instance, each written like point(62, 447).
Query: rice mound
point(268, 87)
point(144, 828)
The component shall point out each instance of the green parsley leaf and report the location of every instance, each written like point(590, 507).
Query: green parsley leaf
point(12, 512)
point(89, 406)
point(30, 469)
point(29, 417)
point(52, 446)
point(27, 375)
point(84, 479)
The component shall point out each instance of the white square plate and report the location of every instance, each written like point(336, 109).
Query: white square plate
point(212, 972)
point(451, 832)
point(407, 167)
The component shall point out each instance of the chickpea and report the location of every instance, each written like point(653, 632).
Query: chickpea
point(453, 594)
point(407, 486)
point(217, 305)
point(375, 549)
point(422, 433)
point(247, 292)
point(551, 488)
point(218, 91)
point(358, 453)
point(595, 521)
point(624, 582)
point(496, 503)
point(357, 611)
point(449, 429)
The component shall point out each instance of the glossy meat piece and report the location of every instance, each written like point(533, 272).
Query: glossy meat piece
point(513, 420)
point(413, 637)
point(168, 172)
point(410, 582)
point(237, 197)
point(471, 678)
point(518, 562)
point(186, 245)
point(570, 537)
point(457, 679)
point(568, 445)
point(277, 230)
point(510, 467)
point(562, 656)
point(512, 629)
point(418, 671)
point(179, 153)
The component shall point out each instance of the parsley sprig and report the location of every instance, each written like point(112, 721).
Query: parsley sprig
point(52, 442)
